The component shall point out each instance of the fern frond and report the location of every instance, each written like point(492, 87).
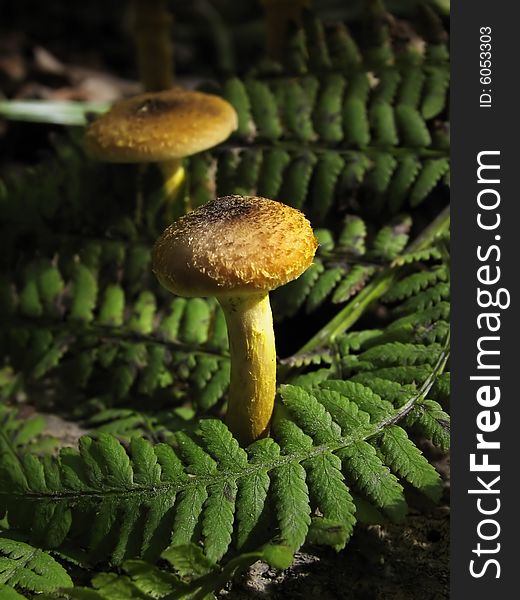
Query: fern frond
point(414, 283)
point(60, 309)
point(318, 46)
point(351, 110)
point(404, 458)
point(29, 568)
point(196, 489)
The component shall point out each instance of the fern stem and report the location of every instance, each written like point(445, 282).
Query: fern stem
point(253, 365)
point(318, 147)
point(372, 292)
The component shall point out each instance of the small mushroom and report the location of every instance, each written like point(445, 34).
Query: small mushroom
point(238, 249)
point(162, 127)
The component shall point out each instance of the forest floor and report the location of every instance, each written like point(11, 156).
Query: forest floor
point(409, 561)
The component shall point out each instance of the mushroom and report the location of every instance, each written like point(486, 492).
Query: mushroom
point(237, 249)
point(162, 127)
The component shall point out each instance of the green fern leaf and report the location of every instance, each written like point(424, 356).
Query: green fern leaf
point(356, 124)
point(236, 94)
point(432, 253)
point(297, 178)
point(411, 87)
point(428, 178)
point(248, 171)
point(352, 236)
point(291, 495)
point(391, 240)
point(363, 396)
point(413, 131)
point(435, 91)
point(383, 124)
point(323, 187)
point(30, 568)
point(309, 414)
point(431, 421)
point(323, 287)
point(327, 113)
point(8, 593)
point(405, 459)
point(252, 494)
point(344, 53)
point(399, 189)
point(297, 111)
point(397, 353)
point(353, 281)
point(264, 109)
point(287, 300)
point(374, 479)
point(84, 295)
point(271, 174)
point(413, 284)
point(426, 299)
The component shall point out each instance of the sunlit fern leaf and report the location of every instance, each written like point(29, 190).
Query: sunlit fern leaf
point(235, 92)
point(354, 280)
point(431, 253)
point(391, 239)
point(414, 283)
point(411, 86)
point(264, 110)
point(431, 422)
point(291, 297)
point(271, 176)
point(297, 177)
point(405, 459)
point(326, 282)
point(77, 321)
point(426, 299)
point(429, 177)
point(29, 568)
point(9, 593)
point(412, 129)
point(435, 90)
point(382, 121)
point(327, 113)
point(323, 185)
point(196, 487)
point(399, 189)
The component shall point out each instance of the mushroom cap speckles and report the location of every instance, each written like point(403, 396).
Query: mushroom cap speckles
point(160, 126)
point(234, 244)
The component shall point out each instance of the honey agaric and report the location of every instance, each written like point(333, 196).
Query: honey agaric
point(162, 127)
point(238, 249)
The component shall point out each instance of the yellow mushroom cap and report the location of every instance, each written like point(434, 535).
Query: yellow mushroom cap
point(160, 126)
point(234, 245)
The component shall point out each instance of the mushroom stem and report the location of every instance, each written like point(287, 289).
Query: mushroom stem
point(151, 26)
point(174, 177)
point(253, 365)
point(279, 15)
